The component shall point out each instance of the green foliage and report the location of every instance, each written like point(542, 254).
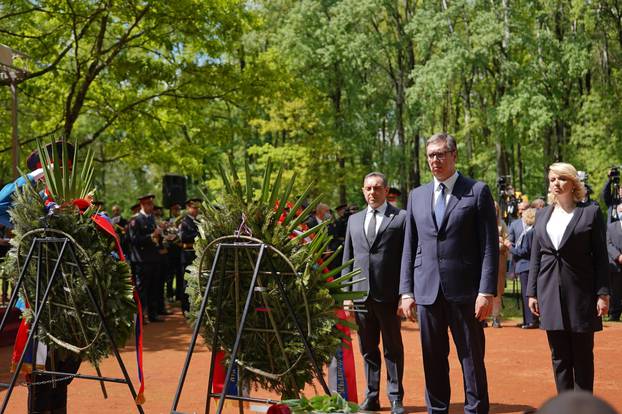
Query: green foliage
point(322, 404)
point(65, 179)
point(69, 321)
point(355, 85)
point(272, 352)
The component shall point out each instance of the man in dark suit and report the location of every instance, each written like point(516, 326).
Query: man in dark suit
point(614, 248)
point(321, 214)
point(517, 226)
point(143, 235)
point(449, 270)
point(374, 239)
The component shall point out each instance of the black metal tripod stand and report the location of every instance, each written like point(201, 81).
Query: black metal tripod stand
point(66, 256)
point(223, 248)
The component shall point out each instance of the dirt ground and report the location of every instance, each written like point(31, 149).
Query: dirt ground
point(517, 361)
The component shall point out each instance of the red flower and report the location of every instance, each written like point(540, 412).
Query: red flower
point(279, 409)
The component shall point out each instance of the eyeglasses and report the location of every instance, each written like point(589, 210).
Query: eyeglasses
point(369, 189)
point(439, 155)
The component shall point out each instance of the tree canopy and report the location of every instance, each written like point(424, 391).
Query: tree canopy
point(331, 89)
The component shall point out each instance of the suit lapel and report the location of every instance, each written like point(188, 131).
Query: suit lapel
point(578, 211)
point(363, 229)
point(430, 204)
point(389, 213)
point(454, 197)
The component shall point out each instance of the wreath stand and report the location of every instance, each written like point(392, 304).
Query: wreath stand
point(66, 248)
point(224, 247)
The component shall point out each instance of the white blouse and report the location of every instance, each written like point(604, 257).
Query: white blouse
point(557, 225)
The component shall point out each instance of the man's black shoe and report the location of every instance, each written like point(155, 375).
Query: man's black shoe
point(397, 407)
point(531, 326)
point(370, 405)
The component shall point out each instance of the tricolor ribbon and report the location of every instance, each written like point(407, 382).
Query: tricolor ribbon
point(103, 222)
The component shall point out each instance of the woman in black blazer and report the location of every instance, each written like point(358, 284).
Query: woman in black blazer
point(568, 278)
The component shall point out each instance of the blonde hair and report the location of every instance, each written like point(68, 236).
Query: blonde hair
point(563, 169)
point(529, 216)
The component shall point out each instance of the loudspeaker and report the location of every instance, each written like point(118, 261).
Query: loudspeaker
point(173, 190)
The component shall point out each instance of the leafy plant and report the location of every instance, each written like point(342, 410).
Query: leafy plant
point(334, 403)
point(272, 352)
point(65, 181)
point(69, 321)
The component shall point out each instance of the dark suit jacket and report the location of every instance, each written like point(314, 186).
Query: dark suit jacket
point(614, 245)
point(515, 230)
point(380, 262)
point(461, 256)
point(142, 247)
point(188, 232)
point(522, 252)
point(578, 269)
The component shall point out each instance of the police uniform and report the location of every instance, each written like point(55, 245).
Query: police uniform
point(188, 231)
point(146, 258)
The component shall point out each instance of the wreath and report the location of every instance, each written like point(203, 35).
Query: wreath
point(272, 352)
point(69, 321)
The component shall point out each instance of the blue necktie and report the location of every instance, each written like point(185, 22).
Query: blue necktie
point(439, 207)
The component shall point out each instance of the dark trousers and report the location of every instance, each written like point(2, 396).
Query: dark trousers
point(468, 336)
point(147, 275)
point(615, 305)
point(187, 257)
point(51, 397)
point(381, 319)
point(528, 317)
point(175, 273)
point(572, 354)
point(161, 282)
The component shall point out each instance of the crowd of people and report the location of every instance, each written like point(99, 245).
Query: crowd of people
point(443, 262)
point(159, 248)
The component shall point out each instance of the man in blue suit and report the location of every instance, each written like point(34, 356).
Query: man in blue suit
point(449, 270)
point(517, 226)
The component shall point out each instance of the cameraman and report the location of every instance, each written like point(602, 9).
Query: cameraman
point(508, 202)
point(612, 193)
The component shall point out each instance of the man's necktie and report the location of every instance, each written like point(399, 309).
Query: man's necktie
point(371, 228)
point(439, 207)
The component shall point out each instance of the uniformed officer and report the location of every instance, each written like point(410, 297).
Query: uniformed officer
point(175, 269)
point(188, 231)
point(144, 235)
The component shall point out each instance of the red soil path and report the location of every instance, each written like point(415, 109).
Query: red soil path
point(518, 365)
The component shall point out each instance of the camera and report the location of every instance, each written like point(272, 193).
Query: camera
point(502, 183)
point(583, 176)
point(614, 174)
point(508, 202)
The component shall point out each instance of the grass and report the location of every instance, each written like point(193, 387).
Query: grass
point(512, 302)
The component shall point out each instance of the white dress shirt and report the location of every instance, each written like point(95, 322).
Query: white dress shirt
point(379, 216)
point(449, 187)
point(557, 225)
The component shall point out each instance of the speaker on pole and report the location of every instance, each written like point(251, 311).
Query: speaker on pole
point(173, 190)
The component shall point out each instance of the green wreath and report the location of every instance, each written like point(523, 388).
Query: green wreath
point(272, 353)
point(69, 321)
